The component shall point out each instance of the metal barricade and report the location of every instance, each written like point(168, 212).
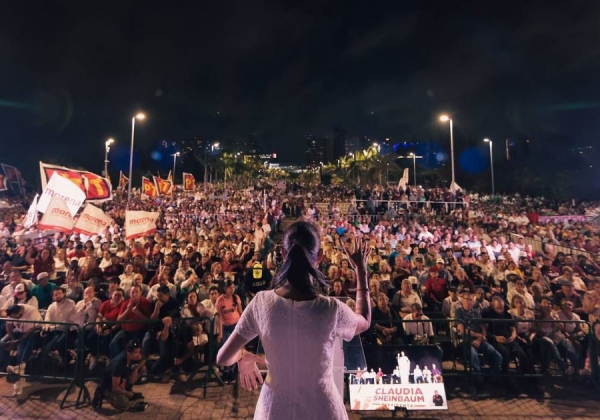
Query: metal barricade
point(67, 353)
point(41, 351)
point(181, 349)
point(533, 352)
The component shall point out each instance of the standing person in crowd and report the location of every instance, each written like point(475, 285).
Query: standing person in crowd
point(229, 308)
point(296, 301)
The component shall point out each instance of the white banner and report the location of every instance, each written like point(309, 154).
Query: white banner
point(61, 187)
point(140, 223)
point(91, 221)
point(31, 218)
point(57, 217)
point(388, 396)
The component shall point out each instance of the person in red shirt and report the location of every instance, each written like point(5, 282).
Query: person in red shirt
point(436, 290)
point(134, 309)
point(99, 338)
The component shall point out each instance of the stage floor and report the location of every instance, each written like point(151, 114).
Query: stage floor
point(572, 398)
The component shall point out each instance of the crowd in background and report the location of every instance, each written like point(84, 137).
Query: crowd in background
point(434, 254)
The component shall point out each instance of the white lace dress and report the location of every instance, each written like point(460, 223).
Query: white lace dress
point(298, 339)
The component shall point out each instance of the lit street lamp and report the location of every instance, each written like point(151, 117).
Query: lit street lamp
point(174, 163)
point(444, 118)
point(491, 164)
point(140, 116)
point(107, 144)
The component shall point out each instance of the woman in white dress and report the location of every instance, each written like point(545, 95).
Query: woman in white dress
point(297, 327)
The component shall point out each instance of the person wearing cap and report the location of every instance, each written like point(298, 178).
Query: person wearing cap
point(569, 275)
point(43, 290)
point(18, 333)
point(443, 272)
point(469, 315)
point(22, 296)
point(14, 278)
point(567, 291)
point(419, 270)
point(436, 290)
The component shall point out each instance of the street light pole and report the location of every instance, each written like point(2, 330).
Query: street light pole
point(212, 148)
point(414, 157)
point(174, 163)
point(491, 164)
point(140, 117)
point(107, 144)
point(414, 167)
point(445, 118)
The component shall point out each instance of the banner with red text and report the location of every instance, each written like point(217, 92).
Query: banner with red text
point(95, 187)
point(64, 188)
point(91, 221)
point(389, 396)
point(57, 217)
point(140, 223)
point(410, 377)
point(189, 182)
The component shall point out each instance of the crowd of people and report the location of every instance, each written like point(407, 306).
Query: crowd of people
point(434, 254)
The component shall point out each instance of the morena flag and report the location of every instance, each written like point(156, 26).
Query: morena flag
point(140, 223)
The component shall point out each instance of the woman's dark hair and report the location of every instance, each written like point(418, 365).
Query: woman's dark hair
point(301, 244)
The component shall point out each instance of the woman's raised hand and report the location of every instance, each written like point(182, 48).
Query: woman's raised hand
point(357, 252)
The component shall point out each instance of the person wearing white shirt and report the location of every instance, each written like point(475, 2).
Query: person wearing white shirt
point(153, 293)
point(211, 303)
point(405, 298)
point(86, 309)
point(514, 252)
point(182, 272)
point(127, 278)
point(417, 375)
point(14, 278)
point(62, 310)
point(19, 331)
point(425, 235)
point(521, 290)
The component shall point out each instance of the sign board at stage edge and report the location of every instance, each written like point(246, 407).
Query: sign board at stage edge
point(410, 378)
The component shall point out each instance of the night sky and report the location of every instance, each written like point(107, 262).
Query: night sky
point(74, 72)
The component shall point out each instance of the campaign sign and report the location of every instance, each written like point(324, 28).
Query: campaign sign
point(399, 376)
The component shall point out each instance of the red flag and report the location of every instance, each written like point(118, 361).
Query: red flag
point(149, 188)
point(165, 186)
point(189, 182)
point(123, 180)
